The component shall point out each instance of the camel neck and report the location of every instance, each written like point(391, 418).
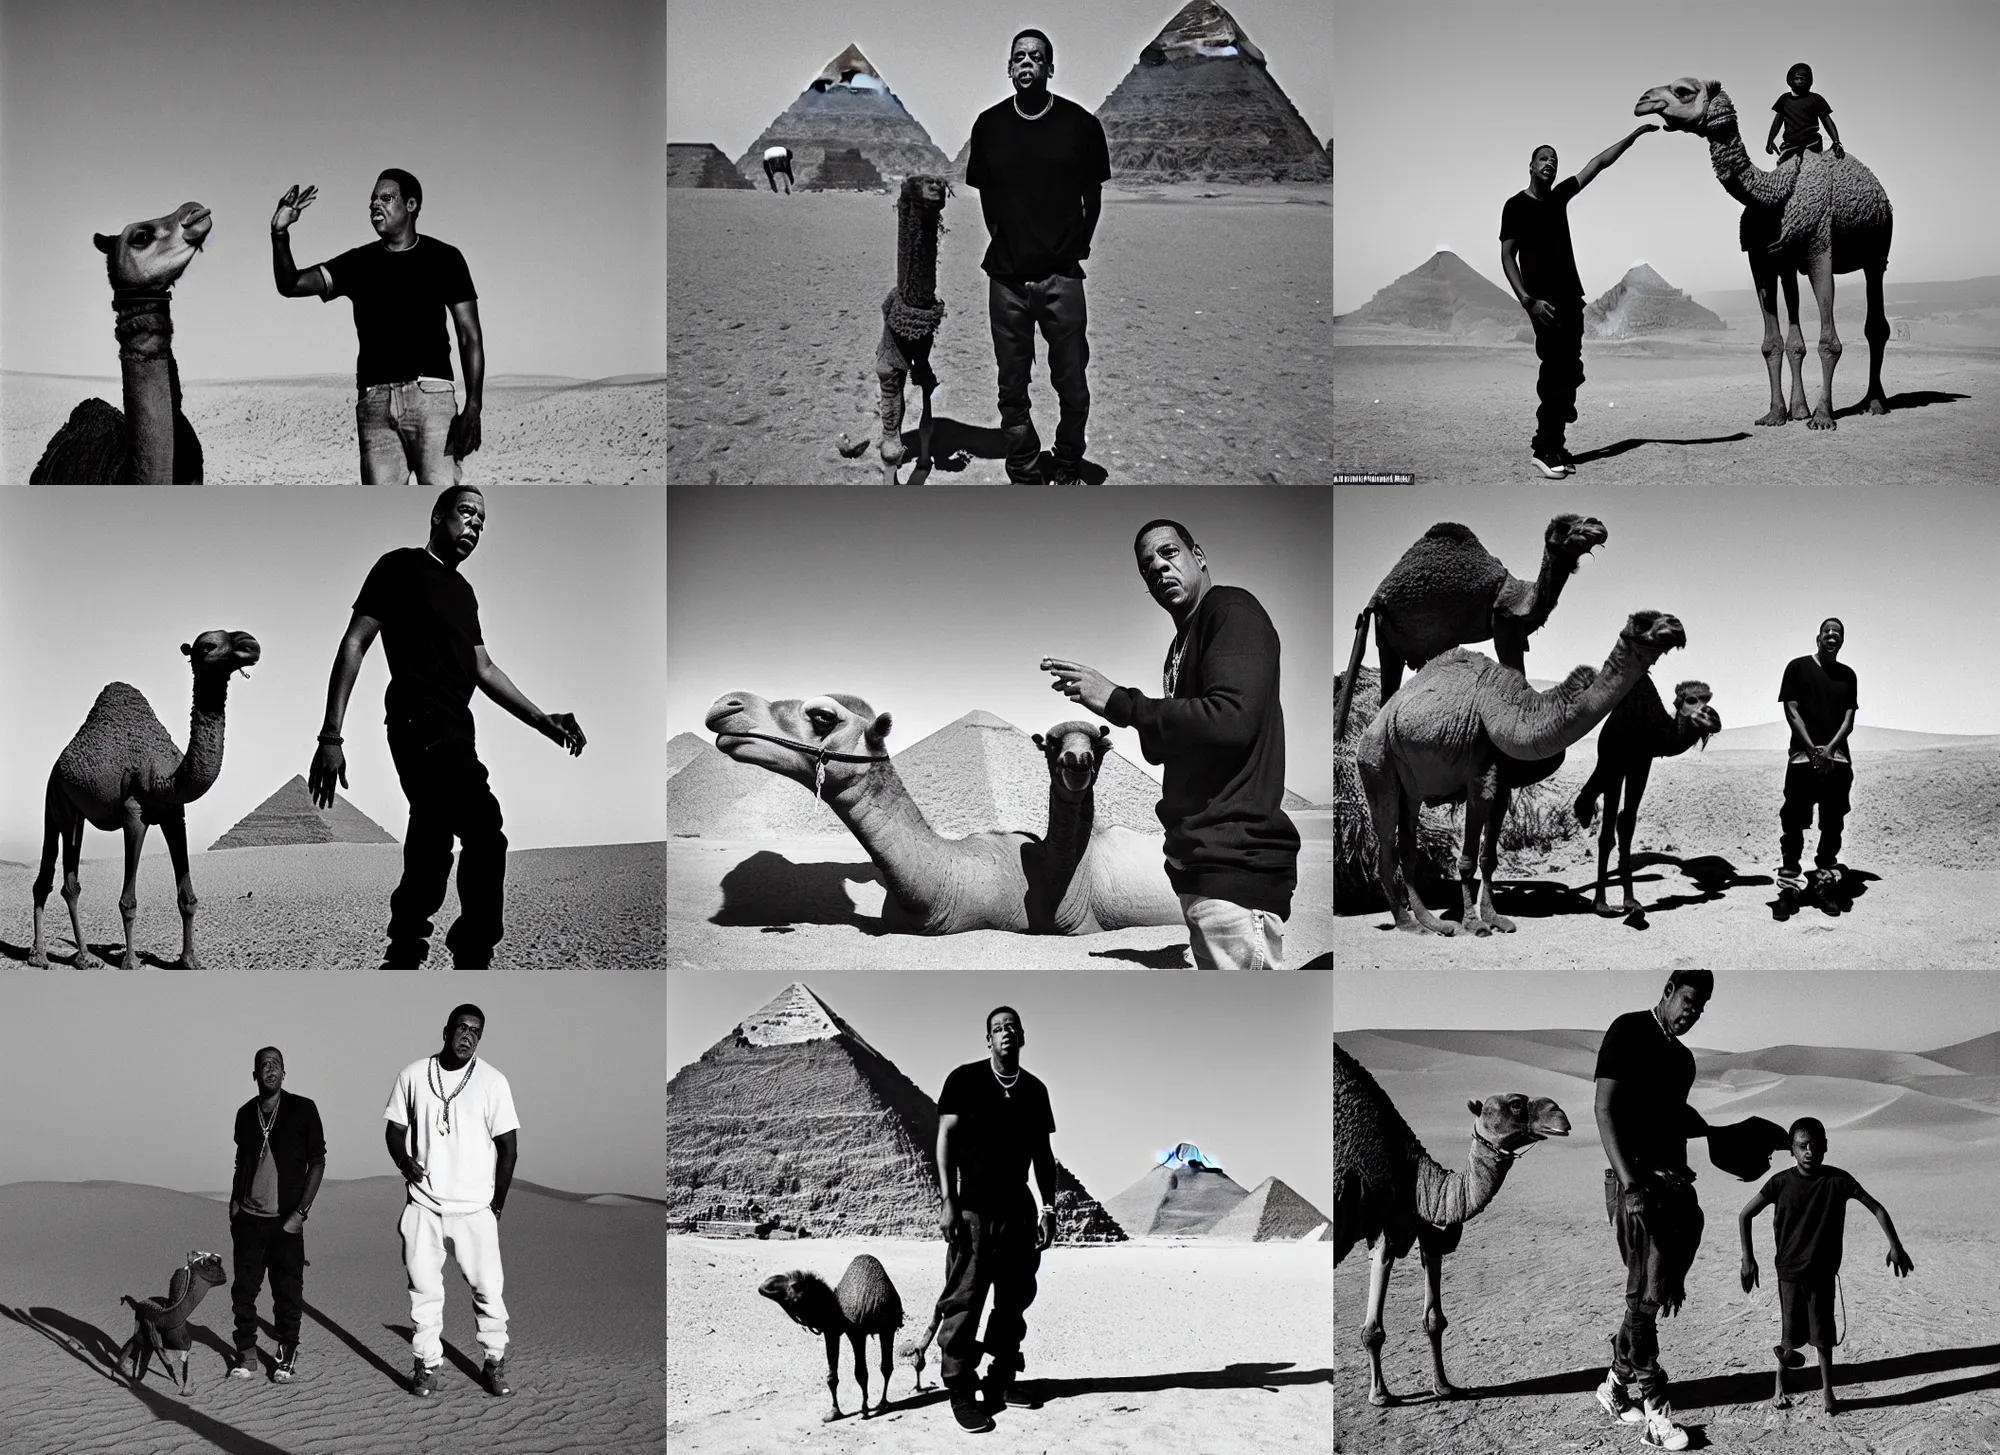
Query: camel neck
point(1741, 178)
point(1446, 1198)
point(887, 822)
point(202, 762)
point(145, 332)
point(1549, 583)
point(1071, 818)
point(1532, 726)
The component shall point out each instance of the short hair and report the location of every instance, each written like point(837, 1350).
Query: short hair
point(467, 1009)
point(1046, 42)
point(1702, 980)
point(1187, 538)
point(1548, 147)
point(258, 1059)
point(1798, 66)
point(451, 493)
point(1825, 619)
point(1811, 1126)
point(998, 1009)
point(413, 190)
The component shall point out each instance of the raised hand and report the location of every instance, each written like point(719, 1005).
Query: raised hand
point(1080, 684)
point(329, 765)
point(295, 201)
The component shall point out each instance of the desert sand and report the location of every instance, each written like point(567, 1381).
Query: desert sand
point(1133, 1347)
point(584, 1300)
point(1919, 840)
point(1536, 1287)
point(533, 431)
point(326, 906)
point(1209, 310)
point(816, 903)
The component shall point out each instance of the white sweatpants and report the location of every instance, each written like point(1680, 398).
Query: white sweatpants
point(474, 1240)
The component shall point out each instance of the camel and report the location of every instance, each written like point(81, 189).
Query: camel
point(121, 770)
point(1452, 733)
point(864, 1303)
point(910, 318)
point(1636, 731)
point(998, 880)
point(1821, 215)
point(151, 442)
point(1079, 852)
point(1450, 591)
point(160, 1325)
point(1388, 1193)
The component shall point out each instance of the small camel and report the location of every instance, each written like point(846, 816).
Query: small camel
point(1450, 591)
point(122, 771)
point(1000, 880)
point(1638, 730)
point(160, 1325)
point(1467, 727)
point(864, 1303)
point(151, 442)
point(1077, 850)
point(1388, 1193)
point(910, 318)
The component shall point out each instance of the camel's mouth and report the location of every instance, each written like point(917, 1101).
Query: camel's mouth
point(1076, 780)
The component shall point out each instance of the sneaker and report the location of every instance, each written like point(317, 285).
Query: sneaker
point(1617, 1403)
point(1790, 877)
point(1006, 1394)
point(1566, 460)
point(244, 1365)
point(1549, 471)
point(423, 1380)
point(494, 1377)
point(1062, 472)
point(1661, 1432)
point(288, 1355)
point(970, 1414)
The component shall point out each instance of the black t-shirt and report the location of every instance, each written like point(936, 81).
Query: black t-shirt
point(1653, 1072)
point(402, 304)
point(1811, 1218)
point(1801, 116)
point(297, 1141)
point(1541, 228)
point(1032, 177)
point(998, 1132)
point(1824, 695)
point(430, 624)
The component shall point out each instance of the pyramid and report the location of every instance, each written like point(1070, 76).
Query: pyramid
point(1445, 295)
point(1272, 1213)
point(701, 164)
point(1200, 103)
point(844, 171)
point(847, 106)
point(1181, 1196)
point(683, 749)
point(289, 816)
point(794, 1117)
point(1643, 302)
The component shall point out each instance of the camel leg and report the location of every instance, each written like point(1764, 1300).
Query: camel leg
point(1877, 333)
point(1407, 869)
point(892, 422)
point(1829, 339)
point(858, 1342)
point(1435, 1322)
point(1379, 1264)
point(888, 1364)
point(1390, 668)
point(1478, 806)
point(72, 890)
point(922, 470)
point(1354, 656)
point(1489, 860)
point(45, 880)
point(1628, 819)
point(1795, 345)
point(832, 1375)
point(128, 902)
point(1607, 837)
point(175, 830)
point(1764, 276)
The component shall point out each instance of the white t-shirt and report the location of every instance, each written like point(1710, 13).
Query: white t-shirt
point(458, 1162)
point(773, 154)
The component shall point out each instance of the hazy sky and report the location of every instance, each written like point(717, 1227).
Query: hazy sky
point(1749, 571)
point(1903, 1010)
point(535, 129)
point(1238, 1064)
point(932, 603)
point(1441, 102)
point(581, 1052)
point(571, 600)
point(734, 65)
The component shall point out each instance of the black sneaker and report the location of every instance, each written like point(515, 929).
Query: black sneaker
point(1004, 1394)
point(1063, 472)
point(971, 1416)
point(1566, 460)
point(494, 1377)
point(288, 1355)
point(1551, 469)
point(423, 1380)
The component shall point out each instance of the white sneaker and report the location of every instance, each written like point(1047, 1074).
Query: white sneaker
point(1549, 471)
point(1617, 1403)
point(1661, 1432)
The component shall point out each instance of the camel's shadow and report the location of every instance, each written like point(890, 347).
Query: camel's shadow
point(111, 953)
point(1711, 875)
point(956, 444)
point(1914, 399)
point(769, 891)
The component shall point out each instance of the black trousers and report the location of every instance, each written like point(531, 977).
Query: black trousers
point(1658, 1250)
point(995, 1251)
point(1559, 345)
point(1056, 305)
point(1806, 790)
point(449, 799)
point(261, 1245)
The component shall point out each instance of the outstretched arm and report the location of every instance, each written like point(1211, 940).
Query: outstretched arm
point(291, 282)
point(1898, 1260)
point(329, 764)
point(462, 435)
point(1609, 155)
point(559, 728)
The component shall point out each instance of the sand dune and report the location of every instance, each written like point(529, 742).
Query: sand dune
point(584, 1296)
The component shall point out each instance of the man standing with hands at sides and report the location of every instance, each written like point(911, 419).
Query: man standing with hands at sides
point(428, 618)
point(994, 1122)
point(451, 1133)
point(280, 1158)
point(1232, 853)
point(1821, 695)
point(405, 410)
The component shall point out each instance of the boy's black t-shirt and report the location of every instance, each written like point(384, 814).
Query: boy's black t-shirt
point(1811, 1217)
point(1541, 228)
point(402, 305)
point(1825, 694)
point(1653, 1072)
point(430, 624)
point(1031, 177)
point(997, 1133)
point(1801, 116)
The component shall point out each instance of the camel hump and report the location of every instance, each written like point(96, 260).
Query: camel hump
point(91, 448)
point(868, 1300)
point(1452, 531)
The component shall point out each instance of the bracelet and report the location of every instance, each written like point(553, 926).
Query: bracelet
point(332, 739)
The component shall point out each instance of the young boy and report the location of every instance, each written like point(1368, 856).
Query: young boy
point(1811, 1201)
point(1800, 110)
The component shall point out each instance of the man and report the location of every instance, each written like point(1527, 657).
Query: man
point(994, 1122)
point(452, 1134)
point(428, 618)
point(1535, 254)
point(1040, 163)
point(1643, 1075)
point(406, 412)
point(280, 1158)
point(776, 160)
point(1820, 695)
point(1232, 854)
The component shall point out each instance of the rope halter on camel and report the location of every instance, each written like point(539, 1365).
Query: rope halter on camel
point(821, 755)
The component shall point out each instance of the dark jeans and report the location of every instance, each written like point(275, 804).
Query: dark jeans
point(1658, 1249)
point(260, 1244)
point(449, 799)
point(1056, 305)
point(1559, 345)
point(995, 1249)
point(1805, 790)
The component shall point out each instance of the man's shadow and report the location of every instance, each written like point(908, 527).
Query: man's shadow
point(1167, 957)
point(381, 1366)
point(1832, 897)
point(956, 444)
point(1267, 1377)
point(1624, 446)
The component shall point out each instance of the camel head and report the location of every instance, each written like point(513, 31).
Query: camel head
point(1692, 713)
point(214, 655)
point(1512, 1121)
point(1654, 633)
point(154, 254)
point(1688, 105)
point(207, 1268)
point(805, 1297)
point(808, 733)
point(1572, 537)
point(1075, 751)
point(926, 191)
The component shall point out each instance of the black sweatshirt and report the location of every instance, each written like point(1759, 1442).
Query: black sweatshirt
point(1222, 739)
point(297, 1142)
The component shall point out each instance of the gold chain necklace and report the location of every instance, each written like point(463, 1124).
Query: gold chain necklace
point(1039, 114)
point(434, 1073)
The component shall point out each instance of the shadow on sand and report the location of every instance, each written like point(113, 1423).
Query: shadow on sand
point(111, 953)
point(1914, 399)
point(1605, 452)
point(955, 444)
point(767, 889)
point(381, 1366)
point(470, 1368)
point(1167, 957)
point(1832, 897)
point(1267, 1377)
point(1711, 876)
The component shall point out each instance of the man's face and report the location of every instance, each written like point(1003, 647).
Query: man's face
point(1005, 1036)
point(1832, 635)
point(1542, 165)
point(462, 1035)
point(1029, 63)
point(1683, 1007)
point(270, 1072)
point(1171, 569)
point(459, 525)
point(1808, 1151)
point(387, 209)
point(1798, 81)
